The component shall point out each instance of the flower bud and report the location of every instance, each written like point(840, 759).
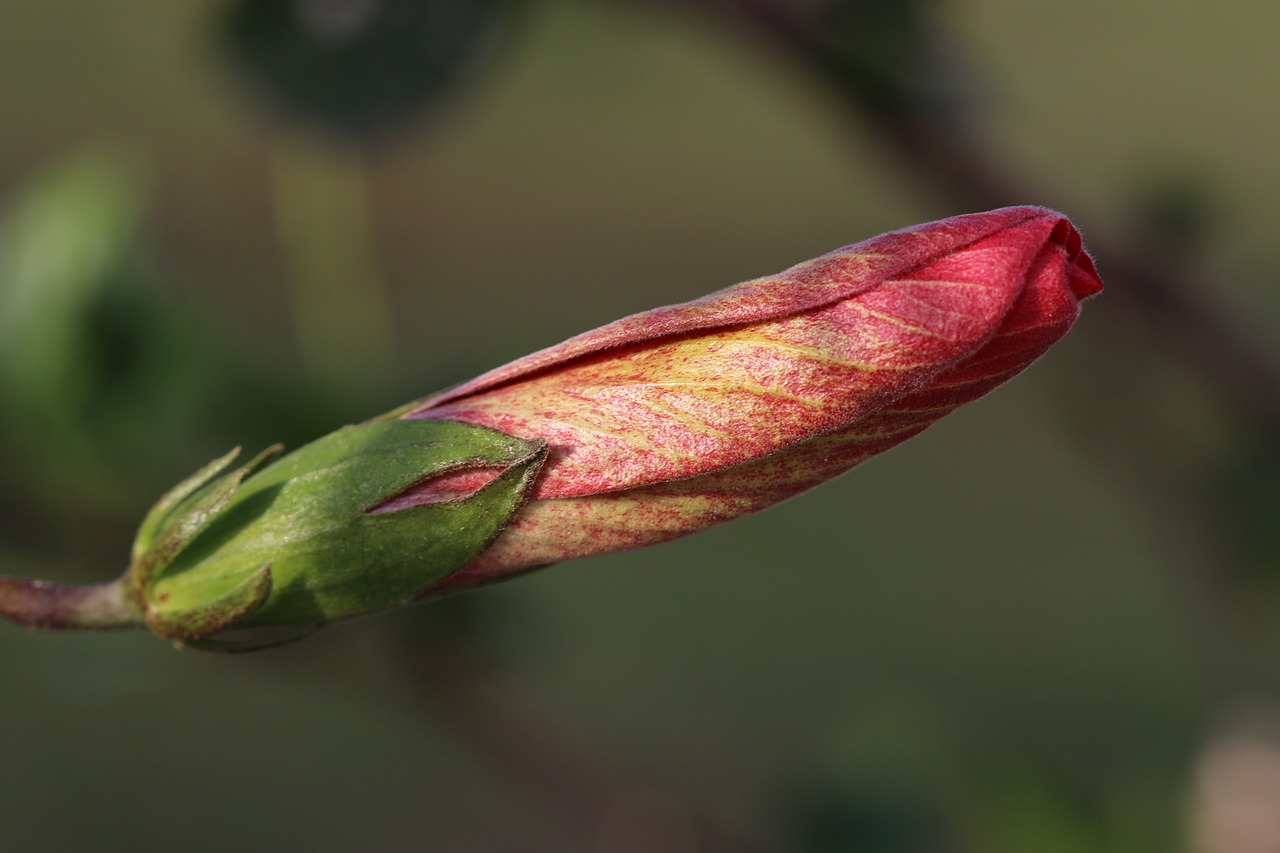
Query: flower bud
point(672, 420)
point(649, 428)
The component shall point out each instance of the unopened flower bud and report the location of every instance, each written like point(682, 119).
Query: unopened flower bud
point(652, 427)
point(672, 420)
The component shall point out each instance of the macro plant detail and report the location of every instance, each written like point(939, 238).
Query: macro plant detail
point(649, 428)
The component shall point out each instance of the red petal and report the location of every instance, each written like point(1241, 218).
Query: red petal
point(682, 391)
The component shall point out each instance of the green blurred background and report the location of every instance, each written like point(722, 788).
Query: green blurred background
point(1047, 624)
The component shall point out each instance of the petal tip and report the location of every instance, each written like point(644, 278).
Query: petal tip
point(1082, 277)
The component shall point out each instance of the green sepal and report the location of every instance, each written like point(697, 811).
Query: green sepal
point(218, 615)
point(179, 516)
point(308, 516)
point(160, 514)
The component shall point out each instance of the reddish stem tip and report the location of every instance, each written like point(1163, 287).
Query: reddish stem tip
point(54, 606)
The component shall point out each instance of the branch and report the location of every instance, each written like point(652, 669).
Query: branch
point(590, 799)
point(55, 606)
point(939, 145)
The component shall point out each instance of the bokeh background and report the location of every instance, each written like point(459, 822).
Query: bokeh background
point(1050, 623)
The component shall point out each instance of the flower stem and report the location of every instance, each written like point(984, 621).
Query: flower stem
point(60, 607)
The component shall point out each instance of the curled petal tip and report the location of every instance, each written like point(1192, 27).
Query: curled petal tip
point(1082, 275)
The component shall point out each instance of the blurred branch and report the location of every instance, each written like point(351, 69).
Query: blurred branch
point(896, 92)
point(590, 799)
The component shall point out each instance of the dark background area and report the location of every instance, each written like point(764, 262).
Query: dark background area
point(1047, 624)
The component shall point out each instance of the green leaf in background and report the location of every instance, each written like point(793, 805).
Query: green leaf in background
point(98, 374)
point(74, 334)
